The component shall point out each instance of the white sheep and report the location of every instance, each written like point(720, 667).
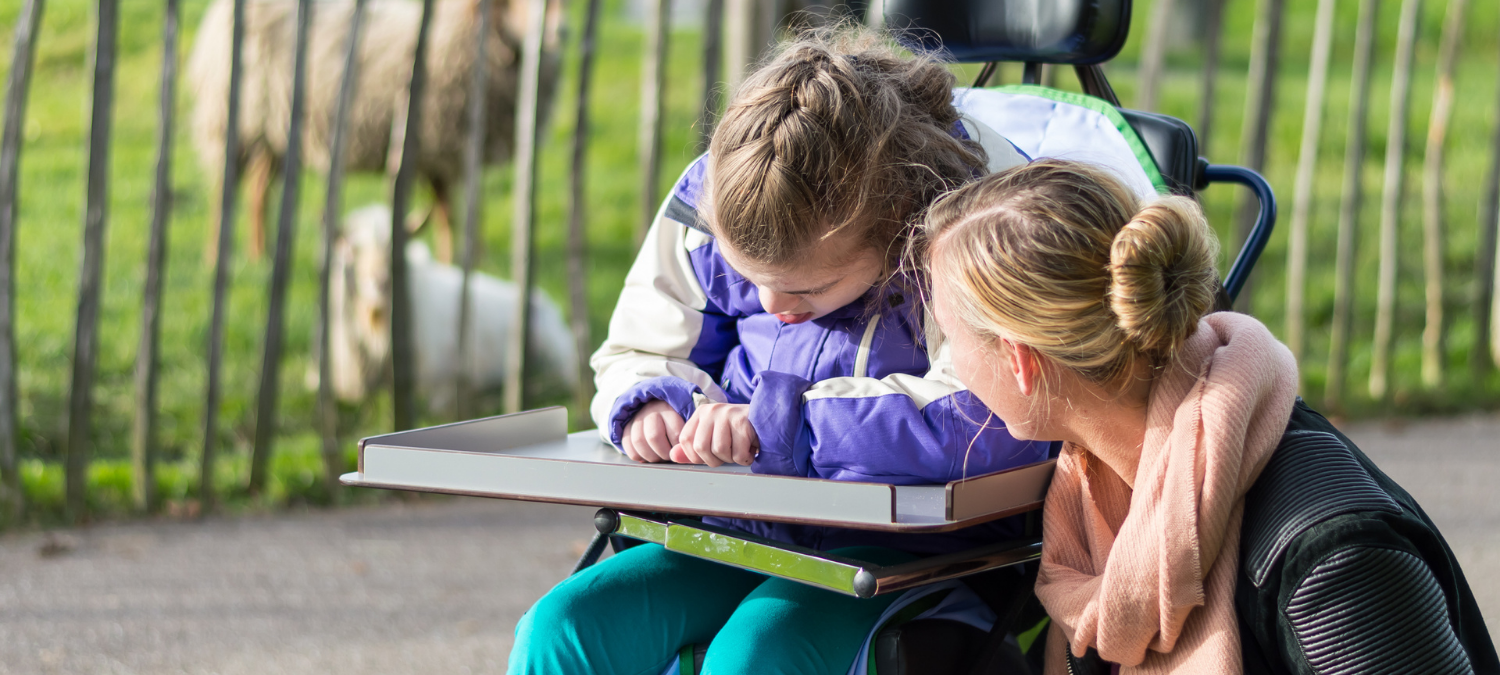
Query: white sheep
point(387, 48)
point(359, 328)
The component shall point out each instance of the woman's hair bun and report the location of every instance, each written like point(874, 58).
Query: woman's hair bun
point(1162, 276)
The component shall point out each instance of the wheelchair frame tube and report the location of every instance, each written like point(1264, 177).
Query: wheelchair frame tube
point(1265, 222)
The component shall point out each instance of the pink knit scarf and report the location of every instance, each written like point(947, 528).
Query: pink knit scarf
point(1142, 568)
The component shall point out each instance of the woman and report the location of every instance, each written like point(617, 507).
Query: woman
point(1202, 518)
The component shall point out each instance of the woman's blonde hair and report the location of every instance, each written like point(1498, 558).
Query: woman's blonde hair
point(837, 132)
point(1062, 257)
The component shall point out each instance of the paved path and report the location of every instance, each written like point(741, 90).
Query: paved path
point(436, 587)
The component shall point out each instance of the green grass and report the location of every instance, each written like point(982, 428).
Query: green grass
point(54, 159)
point(53, 165)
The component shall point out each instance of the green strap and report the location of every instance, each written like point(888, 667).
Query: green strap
point(1029, 637)
point(1133, 139)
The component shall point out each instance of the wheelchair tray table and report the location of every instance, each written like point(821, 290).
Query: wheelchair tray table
point(530, 456)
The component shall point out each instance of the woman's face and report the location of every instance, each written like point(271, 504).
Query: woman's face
point(803, 292)
point(995, 370)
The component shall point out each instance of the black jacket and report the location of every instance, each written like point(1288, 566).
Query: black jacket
point(1342, 572)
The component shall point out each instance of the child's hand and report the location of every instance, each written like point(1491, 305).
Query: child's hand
point(651, 433)
point(718, 433)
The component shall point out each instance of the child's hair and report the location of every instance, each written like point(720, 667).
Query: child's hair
point(1062, 257)
point(837, 132)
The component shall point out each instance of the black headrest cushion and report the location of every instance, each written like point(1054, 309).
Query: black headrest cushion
point(1042, 31)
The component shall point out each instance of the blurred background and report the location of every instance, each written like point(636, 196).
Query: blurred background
point(1228, 67)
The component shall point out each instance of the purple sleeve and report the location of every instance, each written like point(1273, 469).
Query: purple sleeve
point(676, 391)
point(776, 415)
point(884, 439)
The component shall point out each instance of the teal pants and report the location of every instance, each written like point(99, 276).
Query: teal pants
point(632, 613)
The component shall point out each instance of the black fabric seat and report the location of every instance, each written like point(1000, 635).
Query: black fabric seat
point(1173, 146)
point(926, 646)
point(937, 646)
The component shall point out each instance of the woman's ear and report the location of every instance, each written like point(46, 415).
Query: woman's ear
point(1025, 367)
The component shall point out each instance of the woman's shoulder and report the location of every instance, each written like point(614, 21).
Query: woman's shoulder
point(1327, 537)
point(1315, 474)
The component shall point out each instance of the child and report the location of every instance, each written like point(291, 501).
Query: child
point(764, 323)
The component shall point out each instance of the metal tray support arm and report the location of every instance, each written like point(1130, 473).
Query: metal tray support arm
point(796, 563)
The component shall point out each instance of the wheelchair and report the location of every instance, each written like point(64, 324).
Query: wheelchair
point(1040, 122)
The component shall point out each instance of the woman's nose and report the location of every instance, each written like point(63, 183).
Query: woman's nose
point(779, 303)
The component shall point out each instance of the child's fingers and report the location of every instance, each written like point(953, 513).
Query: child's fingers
point(686, 439)
point(635, 442)
point(674, 424)
point(685, 435)
point(690, 456)
point(723, 442)
point(681, 455)
point(628, 445)
point(703, 440)
point(745, 442)
point(656, 438)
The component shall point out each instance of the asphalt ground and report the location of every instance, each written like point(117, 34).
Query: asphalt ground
point(436, 586)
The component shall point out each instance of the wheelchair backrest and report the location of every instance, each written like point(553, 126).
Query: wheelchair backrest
point(1082, 33)
point(1075, 32)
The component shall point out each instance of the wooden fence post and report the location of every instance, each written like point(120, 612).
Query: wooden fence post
point(143, 436)
point(578, 288)
point(1433, 333)
point(227, 195)
point(473, 185)
point(713, 64)
point(333, 205)
point(17, 85)
point(1213, 30)
point(1349, 206)
point(653, 95)
point(1260, 100)
point(1495, 304)
point(91, 272)
point(281, 267)
point(1153, 54)
point(1486, 352)
point(528, 104)
point(1390, 199)
point(749, 33)
point(1307, 165)
point(403, 366)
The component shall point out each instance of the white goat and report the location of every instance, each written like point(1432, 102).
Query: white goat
point(387, 51)
point(359, 330)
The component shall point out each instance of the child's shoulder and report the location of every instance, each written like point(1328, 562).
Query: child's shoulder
point(687, 194)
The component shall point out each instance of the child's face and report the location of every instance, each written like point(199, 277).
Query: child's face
point(809, 290)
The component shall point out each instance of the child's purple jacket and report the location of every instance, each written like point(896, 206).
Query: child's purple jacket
point(866, 393)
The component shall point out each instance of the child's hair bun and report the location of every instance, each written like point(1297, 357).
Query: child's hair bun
point(1162, 276)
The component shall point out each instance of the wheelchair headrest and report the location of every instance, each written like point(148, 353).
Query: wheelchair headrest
point(1077, 32)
